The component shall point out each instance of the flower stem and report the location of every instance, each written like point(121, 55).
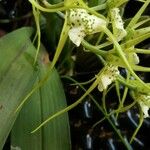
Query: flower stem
point(130, 86)
point(93, 48)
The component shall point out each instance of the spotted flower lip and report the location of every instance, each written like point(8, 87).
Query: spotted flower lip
point(117, 24)
point(76, 35)
point(107, 76)
point(83, 24)
point(144, 102)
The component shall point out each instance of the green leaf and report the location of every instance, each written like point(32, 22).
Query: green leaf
point(46, 101)
point(17, 76)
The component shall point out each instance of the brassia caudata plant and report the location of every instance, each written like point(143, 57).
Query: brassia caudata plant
point(103, 31)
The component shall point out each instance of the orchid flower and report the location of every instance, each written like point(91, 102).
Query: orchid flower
point(144, 101)
point(117, 24)
point(108, 75)
point(83, 24)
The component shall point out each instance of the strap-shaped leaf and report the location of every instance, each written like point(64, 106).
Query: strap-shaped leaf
point(46, 101)
point(17, 76)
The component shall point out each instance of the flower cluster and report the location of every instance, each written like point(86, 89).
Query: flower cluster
point(83, 24)
point(107, 76)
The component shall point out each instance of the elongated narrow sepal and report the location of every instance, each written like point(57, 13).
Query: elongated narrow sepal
point(17, 76)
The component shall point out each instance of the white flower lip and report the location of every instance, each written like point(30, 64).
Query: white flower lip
point(76, 35)
point(108, 75)
point(144, 101)
point(105, 82)
point(83, 24)
point(145, 109)
point(117, 23)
